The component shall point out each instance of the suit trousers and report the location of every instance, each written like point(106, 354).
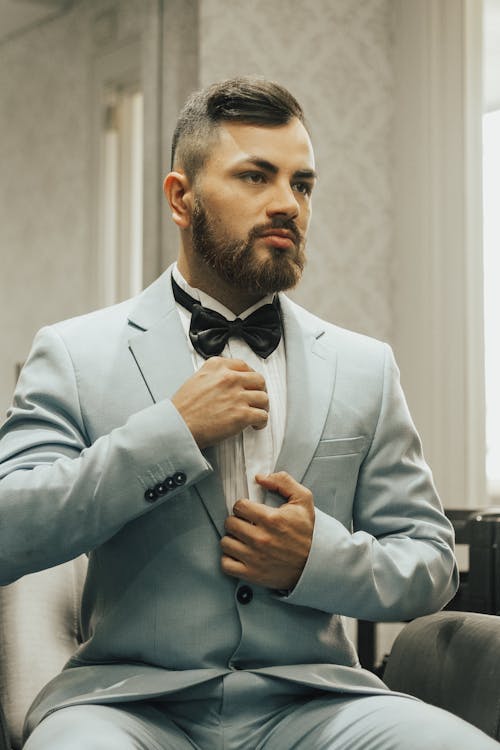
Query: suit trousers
point(244, 711)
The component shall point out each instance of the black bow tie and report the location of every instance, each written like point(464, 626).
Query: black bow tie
point(209, 330)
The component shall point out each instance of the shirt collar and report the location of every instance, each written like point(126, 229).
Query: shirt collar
point(207, 301)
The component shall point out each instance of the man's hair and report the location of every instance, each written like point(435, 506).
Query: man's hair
point(249, 100)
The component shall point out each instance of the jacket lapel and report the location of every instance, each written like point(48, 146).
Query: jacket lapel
point(311, 368)
point(211, 493)
point(158, 345)
point(158, 342)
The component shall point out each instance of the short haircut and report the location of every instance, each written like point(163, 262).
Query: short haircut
point(249, 100)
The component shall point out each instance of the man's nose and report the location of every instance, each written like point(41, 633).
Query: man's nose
point(283, 202)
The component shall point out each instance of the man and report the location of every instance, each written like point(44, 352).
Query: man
point(235, 503)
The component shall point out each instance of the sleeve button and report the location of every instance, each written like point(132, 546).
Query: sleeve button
point(169, 483)
point(150, 495)
point(179, 478)
point(161, 489)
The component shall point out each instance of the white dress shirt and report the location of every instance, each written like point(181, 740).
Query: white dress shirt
point(251, 452)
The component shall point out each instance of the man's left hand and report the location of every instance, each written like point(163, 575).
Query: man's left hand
point(269, 546)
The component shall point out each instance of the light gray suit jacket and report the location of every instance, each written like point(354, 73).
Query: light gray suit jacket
point(92, 428)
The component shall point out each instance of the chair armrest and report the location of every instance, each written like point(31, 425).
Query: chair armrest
point(451, 660)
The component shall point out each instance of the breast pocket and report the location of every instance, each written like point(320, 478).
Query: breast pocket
point(333, 473)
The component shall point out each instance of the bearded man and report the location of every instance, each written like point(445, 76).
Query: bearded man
point(242, 475)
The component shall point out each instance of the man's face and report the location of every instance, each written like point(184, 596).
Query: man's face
point(252, 206)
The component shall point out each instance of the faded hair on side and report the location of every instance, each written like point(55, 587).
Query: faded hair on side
point(249, 100)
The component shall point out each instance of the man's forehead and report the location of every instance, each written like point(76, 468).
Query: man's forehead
point(281, 145)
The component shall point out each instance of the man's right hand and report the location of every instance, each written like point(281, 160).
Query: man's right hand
point(221, 399)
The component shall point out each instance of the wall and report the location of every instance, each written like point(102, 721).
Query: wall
point(46, 123)
point(438, 298)
point(336, 57)
point(43, 153)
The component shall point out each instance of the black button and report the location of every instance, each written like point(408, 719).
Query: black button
point(161, 489)
point(150, 495)
point(169, 483)
point(244, 595)
point(179, 478)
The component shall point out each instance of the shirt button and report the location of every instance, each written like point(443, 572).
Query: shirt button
point(179, 478)
point(150, 495)
point(244, 595)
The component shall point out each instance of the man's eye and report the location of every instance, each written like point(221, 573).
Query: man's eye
point(303, 187)
point(255, 178)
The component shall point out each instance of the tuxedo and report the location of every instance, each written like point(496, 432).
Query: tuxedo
point(92, 432)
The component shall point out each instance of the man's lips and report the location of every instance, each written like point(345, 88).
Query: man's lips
point(279, 237)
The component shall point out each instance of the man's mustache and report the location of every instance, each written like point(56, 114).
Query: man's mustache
point(279, 223)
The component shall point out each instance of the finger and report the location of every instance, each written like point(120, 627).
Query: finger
point(232, 567)
point(234, 548)
point(253, 381)
point(240, 529)
point(285, 485)
point(258, 399)
point(237, 364)
point(258, 418)
point(253, 513)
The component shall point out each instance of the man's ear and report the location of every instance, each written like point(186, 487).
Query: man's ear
point(177, 189)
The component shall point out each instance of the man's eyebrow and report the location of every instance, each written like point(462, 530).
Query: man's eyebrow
point(262, 163)
point(300, 174)
point(305, 174)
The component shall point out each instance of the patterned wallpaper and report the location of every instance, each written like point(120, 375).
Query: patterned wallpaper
point(335, 56)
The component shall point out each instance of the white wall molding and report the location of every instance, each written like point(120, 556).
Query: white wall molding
point(438, 258)
point(120, 66)
point(127, 52)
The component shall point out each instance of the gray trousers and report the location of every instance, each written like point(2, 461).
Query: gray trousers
point(250, 712)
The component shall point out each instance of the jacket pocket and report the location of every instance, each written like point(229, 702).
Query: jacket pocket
point(333, 474)
point(340, 446)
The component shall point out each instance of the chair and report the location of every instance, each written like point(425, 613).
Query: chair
point(451, 660)
point(39, 630)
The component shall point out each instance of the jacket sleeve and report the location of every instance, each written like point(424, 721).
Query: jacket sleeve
point(61, 496)
point(397, 562)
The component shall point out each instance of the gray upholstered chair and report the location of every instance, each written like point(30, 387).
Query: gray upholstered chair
point(39, 630)
point(451, 659)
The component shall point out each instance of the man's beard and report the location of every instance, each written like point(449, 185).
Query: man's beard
point(235, 261)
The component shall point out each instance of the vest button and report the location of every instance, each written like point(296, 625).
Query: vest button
point(244, 595)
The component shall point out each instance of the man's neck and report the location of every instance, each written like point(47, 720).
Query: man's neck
point(204, 278)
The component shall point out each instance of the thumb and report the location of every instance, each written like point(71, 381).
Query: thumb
point(286, 486)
